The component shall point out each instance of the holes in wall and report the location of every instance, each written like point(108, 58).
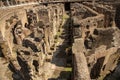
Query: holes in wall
point(55, 11)
point(87, 33)
point(67, 6)
point(26, 43)
point(36, 65)
point(76, 26)
point(88, 44)
point(87, 26)
point(43, 47)
point(1, 53)
point(26, 52)
point(95, 24)
point(48, 60)
point(95, 32)
point(50, 53)
point(46, 4)
point(117, 16)
point(103, 67)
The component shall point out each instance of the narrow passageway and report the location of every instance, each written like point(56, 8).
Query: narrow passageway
point(61, 58)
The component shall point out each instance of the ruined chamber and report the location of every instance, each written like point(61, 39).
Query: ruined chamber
point(85, 34)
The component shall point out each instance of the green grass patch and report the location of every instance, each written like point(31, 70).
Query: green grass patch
point(68, 69)
point(65, 16)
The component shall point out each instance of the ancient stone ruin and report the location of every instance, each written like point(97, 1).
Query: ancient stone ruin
point(59, 40)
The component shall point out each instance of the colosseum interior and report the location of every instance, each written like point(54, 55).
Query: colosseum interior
point(59, 39)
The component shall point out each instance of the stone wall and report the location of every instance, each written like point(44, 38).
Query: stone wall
point(29, 38)
point(86, 24)
point(97, 42)
point(107, 10)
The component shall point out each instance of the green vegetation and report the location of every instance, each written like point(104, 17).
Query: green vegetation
point(65, 16)
point(68, 69)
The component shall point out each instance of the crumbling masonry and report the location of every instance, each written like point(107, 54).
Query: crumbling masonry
point(86, 34)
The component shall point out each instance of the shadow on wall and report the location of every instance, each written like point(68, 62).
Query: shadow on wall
point(1, 53)
point(24, 70)
point(95, 71)
point(60, 52)
point(117, 16)
point(62, 56)
point(63, 76)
